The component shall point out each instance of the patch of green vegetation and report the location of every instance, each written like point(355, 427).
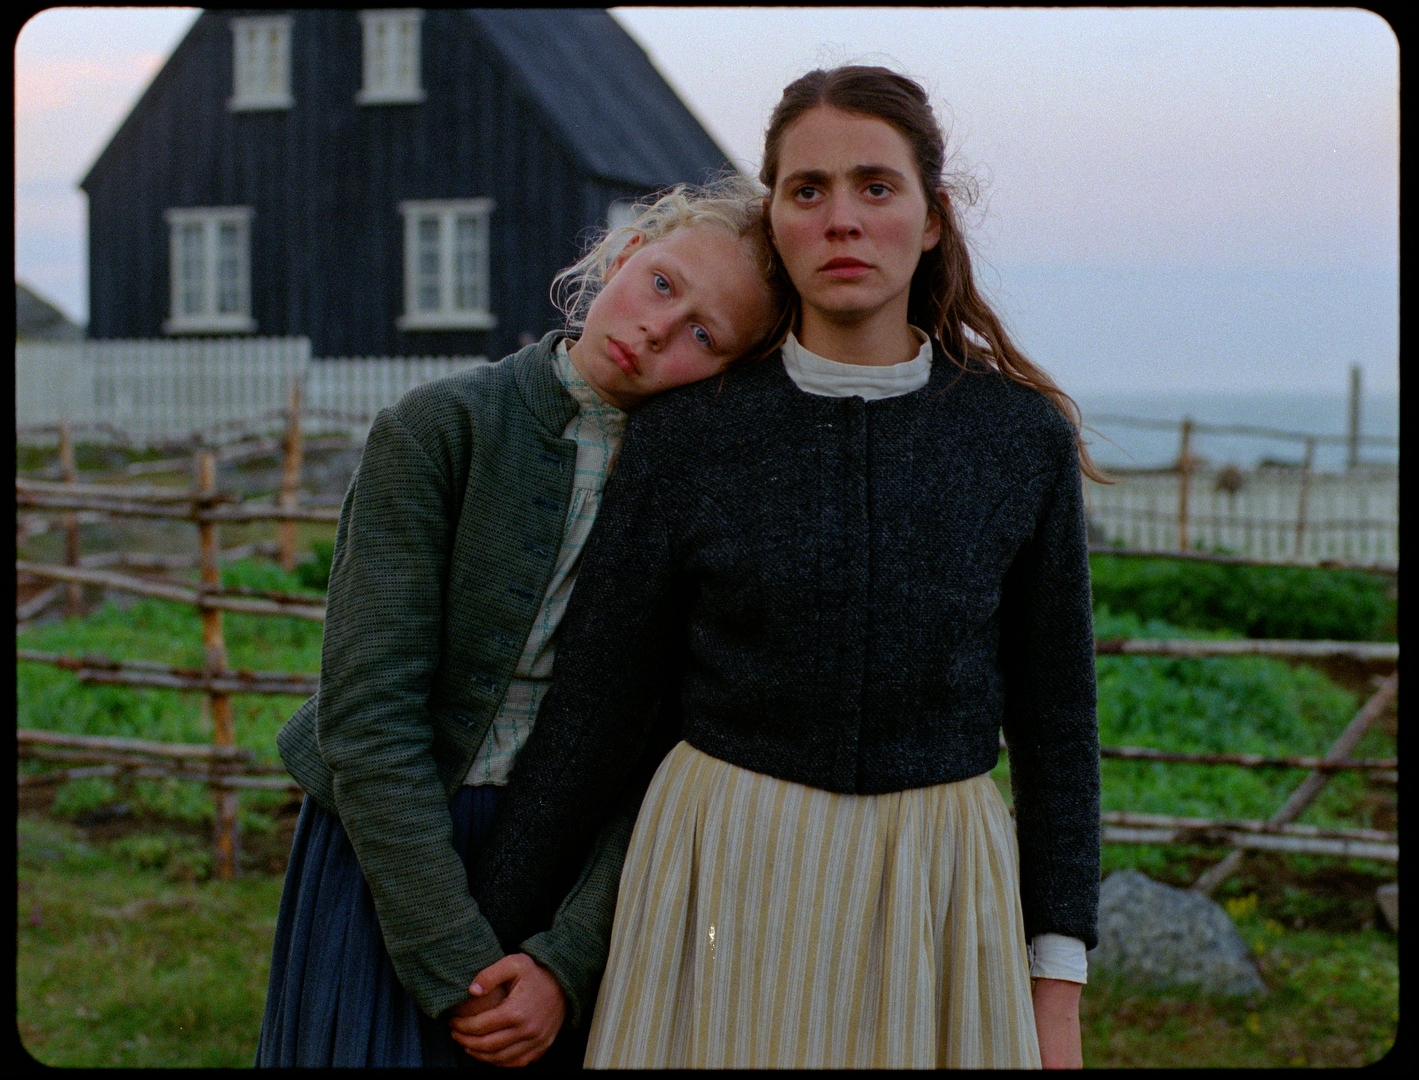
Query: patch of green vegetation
point(259, 574)
point(1217, 705)
point(316, 573)
point(120, 965)
point(1220, 705)
point(1255, 601)
point(53, 699)
point(1332, 1002)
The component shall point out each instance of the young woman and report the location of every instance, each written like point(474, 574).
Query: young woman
point(867, 558)
point(457, 548)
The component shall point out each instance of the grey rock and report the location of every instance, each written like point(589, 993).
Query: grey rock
point(1163, 937)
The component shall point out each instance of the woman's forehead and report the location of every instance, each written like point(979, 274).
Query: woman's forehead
point(829, 139)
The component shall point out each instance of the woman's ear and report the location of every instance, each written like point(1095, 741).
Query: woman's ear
point(932, 236)
point(630, 247)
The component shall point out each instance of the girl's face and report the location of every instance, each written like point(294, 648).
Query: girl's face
point(849, 215)
point(672, 312)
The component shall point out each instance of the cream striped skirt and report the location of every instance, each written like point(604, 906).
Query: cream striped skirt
point(765, 924)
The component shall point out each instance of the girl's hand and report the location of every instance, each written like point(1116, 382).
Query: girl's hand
point(1057, 1021)
point(520, 1027)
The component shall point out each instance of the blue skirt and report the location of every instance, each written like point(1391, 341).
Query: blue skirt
point(334, 999)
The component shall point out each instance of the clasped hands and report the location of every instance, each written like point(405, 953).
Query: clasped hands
point(514, 1010)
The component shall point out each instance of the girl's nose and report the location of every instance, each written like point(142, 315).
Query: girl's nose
point(658, 329)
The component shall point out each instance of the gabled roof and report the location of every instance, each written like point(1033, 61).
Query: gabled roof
point(37, 318)
point(601, 92)
point(597, 88)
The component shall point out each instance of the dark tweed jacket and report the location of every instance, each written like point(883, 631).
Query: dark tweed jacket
point(446, 542)
point(861, 596)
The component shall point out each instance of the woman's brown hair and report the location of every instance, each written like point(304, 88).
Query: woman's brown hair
point(944, 298)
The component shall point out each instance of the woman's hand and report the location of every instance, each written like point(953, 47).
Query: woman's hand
point(1057, 1021)
point(527, 1012)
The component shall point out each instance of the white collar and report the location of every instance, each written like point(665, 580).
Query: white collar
point(816, 374)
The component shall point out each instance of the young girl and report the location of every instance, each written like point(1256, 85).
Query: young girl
point(867, 555)
point(456, 551)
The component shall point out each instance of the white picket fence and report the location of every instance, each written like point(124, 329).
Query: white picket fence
point(146, 392)
point(1352, 516)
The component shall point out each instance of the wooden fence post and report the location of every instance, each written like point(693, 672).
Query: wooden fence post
point(74, 594)
point(1306, 463)
point(1184, 475)
point(225, 837)
point(1311, 786)
point(291, 474)
point(1352, 457)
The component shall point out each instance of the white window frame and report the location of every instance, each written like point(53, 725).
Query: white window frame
point(401, 32)
point(449, 314)
point(208, 221)
point(261, 69)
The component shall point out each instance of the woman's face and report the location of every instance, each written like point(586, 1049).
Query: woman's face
point(672, 312)
point(849, 215)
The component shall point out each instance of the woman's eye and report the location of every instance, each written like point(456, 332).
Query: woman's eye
point(702, 336)
point(662, 284)
point(877, 191)
point(806, 193)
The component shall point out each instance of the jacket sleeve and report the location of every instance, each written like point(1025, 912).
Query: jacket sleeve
point(1051, 718)
point(561, 831)
point(384, 622)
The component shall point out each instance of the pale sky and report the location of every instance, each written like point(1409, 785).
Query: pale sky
point(1117, 141)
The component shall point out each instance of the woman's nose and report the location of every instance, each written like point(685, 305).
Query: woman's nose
point(842, 222)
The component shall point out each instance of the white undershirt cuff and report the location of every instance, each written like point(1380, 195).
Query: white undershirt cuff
point(1054, 956)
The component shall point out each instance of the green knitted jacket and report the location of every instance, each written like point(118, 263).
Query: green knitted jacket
point(444, 549)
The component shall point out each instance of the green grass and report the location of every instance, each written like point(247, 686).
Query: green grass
point(122, 962)
point(118, 966)
point(1332, 1001)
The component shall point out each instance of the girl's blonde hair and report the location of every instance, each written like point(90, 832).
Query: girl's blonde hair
point(730, 201)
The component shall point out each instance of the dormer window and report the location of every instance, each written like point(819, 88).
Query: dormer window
point(446, 265)
point(392, 64)
point(210, 270)
point(261, 63)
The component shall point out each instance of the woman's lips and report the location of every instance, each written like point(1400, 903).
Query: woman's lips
point(845, 269)
point(624, 357)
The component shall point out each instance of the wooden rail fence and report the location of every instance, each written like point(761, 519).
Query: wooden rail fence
point(207, 508)
point(227, 769)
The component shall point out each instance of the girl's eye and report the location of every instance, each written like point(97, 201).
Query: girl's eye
point(702, 336)
point(662, 284)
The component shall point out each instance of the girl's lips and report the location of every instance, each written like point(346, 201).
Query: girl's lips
point(624, 358)
point(845, 269)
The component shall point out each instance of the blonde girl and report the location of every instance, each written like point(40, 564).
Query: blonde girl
point(457, 548)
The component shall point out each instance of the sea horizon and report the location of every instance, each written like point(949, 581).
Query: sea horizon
point(1324, 414)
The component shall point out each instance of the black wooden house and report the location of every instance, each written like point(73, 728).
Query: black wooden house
point(388, 182)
